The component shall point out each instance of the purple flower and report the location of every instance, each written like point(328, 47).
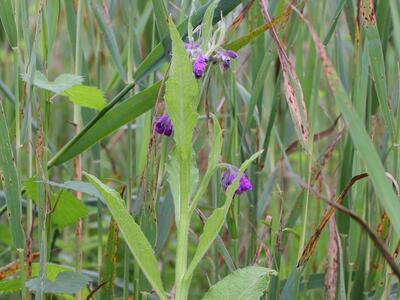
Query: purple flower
point(164, 125)
point(200, 65)
point(225, 58)
point(192, 48)
point(229, 176)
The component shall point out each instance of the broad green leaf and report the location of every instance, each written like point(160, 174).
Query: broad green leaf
point(111, 42)
point(65, 283)
point(86, 96)
point(106, 122)
point(11, 184)
point(59, 85)
point(132, 234)
point(7, 19)
point(248, 283)
point(66, 208)
point(181, 95)
point(207, 25)
point(215, 222)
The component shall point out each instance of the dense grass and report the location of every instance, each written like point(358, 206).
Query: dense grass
point(308, 112)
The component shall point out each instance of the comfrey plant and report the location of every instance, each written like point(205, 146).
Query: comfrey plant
point(182, 98)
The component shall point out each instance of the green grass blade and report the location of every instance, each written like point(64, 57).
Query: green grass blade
point(111, 42)
point(334, 21)
point(7, 19)
point(360, 138)
point(11, 184)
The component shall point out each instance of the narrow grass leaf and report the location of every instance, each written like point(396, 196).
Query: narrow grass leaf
point(106, 28)
point(11, 184)
point(360, 137)
point(377, 62)
point(334, 21)
point(207, 23)
point(7, 19)
point(132, 234)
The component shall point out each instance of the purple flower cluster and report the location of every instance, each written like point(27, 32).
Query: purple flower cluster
point(229, 176)
point(164, 125)
point(200, 60)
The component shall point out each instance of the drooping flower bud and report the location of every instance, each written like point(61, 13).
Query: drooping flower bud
point(164, 125)
point(225, 58)
point(200, 65)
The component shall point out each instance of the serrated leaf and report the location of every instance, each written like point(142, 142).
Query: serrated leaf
point(244, 284)
point(86, 96)
point(59, 85)
point(132, 234)
point(10, 286)
point(181, 95)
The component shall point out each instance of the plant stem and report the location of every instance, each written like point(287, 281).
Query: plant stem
point(77, 122)
point(183, 229)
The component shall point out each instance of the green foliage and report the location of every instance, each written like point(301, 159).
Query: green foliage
point(8, 21)
point(244, 284)
point(132, 234)
point(11, 184)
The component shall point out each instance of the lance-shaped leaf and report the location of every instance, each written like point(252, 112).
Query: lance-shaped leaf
point(132, 234)
point(8, 22)
point(181, 95)
point(215, 222)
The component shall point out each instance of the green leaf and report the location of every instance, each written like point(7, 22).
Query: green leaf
point(11, 184)
point(160, 13)
point(109, 262)
point(248, 283)
point(377, 64)
point(173, 170)
point(132, 234)
point(65, 283)
point(66, 208)
point(207, 25)
point(181, 95)
point(111, 42)
point(106, 122)
point(86, 96)
point(10, 286)
point(215, 222)
point(7, 19)
point(59, 85)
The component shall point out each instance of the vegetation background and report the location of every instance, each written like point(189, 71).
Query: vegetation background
point(316, 86)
